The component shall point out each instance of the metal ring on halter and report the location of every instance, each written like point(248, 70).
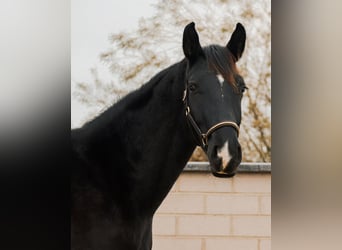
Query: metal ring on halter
point(187, 110)
point(184, 95)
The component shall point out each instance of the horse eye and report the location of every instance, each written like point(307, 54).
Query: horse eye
point(192, 87)
point(243, 89)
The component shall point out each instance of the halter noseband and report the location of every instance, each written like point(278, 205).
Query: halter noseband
point(203, 137)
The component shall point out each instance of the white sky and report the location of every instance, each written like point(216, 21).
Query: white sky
point(92, 21)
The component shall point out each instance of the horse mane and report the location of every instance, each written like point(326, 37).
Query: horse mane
point(221, 61)
point(134, 100)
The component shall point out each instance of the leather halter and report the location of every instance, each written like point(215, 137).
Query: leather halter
point(203, 137)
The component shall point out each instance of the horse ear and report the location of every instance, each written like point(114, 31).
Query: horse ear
point(191, 45)
point(236, 44)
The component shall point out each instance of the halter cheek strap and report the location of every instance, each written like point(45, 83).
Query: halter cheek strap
point(203, 137)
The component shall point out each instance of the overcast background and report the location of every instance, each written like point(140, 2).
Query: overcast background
point(91, 24)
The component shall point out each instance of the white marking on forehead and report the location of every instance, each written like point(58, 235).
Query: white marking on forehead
point(224, 154)
point(221, 80)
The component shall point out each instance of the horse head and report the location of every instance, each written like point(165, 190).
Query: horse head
point(212, 97)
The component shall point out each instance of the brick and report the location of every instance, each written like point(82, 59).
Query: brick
point(236, 244)
point(251, 225)
point(200, 225)
point(252, 183)
point(203, 182)
point(164, 225)
point(232, 204)
point(182, 203)
point(175, 244)
point(265, 244)
point(174, 187)
point(265, 205)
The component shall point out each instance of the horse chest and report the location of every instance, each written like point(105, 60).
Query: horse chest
point(107, 234)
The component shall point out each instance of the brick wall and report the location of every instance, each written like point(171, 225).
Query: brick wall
point(203, 212)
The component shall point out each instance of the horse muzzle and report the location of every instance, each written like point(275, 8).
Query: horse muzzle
point(225, 159)
point(227, 171)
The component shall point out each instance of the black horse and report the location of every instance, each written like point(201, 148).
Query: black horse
point(126, 160)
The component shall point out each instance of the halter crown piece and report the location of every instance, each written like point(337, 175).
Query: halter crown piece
point(203, 137)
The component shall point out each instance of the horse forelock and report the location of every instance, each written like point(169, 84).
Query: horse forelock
point(221, 61)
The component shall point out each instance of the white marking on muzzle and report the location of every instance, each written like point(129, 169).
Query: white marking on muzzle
point(224, 154)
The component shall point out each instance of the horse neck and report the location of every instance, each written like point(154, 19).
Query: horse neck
point(144, 142)
point(167, 144)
